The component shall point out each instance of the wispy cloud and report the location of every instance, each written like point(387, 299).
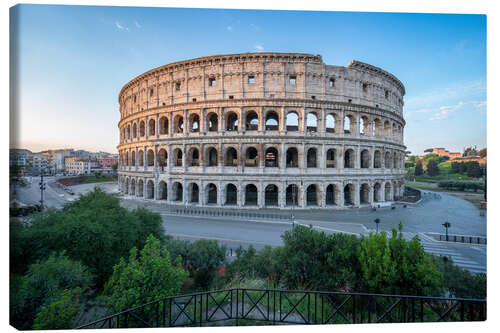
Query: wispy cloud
point(138, 26)
point(229, 28)
point(259, 47)
point(120, 26)
point(254, 27)
point(445, 111)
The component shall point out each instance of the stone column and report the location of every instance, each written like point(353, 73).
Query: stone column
point(282, 162)
point(144, 156)
point(144, 188)
point(222, 122)
point(203, 121)
point(370, 194)
point(184, 192)
point(282, 127)
point(146, 125)
point(169, 159)
point(157, 125)
point(356, 194)
point(340, 194)
point(186, 123)
point(171, 124)
point(184, 157)
point(201, 191)
point(240, 194)
point(261, 195)
point(136, 164)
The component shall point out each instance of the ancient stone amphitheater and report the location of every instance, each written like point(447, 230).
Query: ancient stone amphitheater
point(260, 130)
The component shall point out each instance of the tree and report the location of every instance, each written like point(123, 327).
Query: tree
point(148, 275)
point(432, 168)
point(205, 256)
point(43, 283)
point(16, 176)
point(61, 312)
point(114, 166)
point(411, 159)
point(455, 167)
point(470, 151)
point(482, 153)
point(473, 169)
point(419, 170)
point(396, 266)
point(429, 150)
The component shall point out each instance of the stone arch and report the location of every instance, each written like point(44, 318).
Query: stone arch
point(194, 123)
point(387, 129)
point(212, 122)
point(377, 127)
point(395, 160)
point(388, 160)
point(349, 195)
point(271, 157)
point(177, 157)
point(126, 186)
point(134, 130)
point(252, 121)
point(231, 194)
point(132, 187)
point(193, 193)
point(162, 190)
point(364, 193)
point(365, 159)
point(271, 195)
point(377, 192)
point(140, 188)
point(292, 121)
point(140, 158)
point(394, 130)
point(193, 157)
point(331, 158)
point(179, 124)
point(330, 123)
point(163, 125)
point(211, 156)
point(150, 189)
point(292, 157)
point(292, 195)
point(388, 191)
point(312, 195)
point(231, 157)
point(211, 194)
point(377, 159)
point(152, 127)
point(150, 157)
point(349, 124)
point(251, 195)
point(162, 158)
point(330, 195)
point(142, 128)
point(177, 192)
point(312, 122)
point(349, 158)
point(128, 131)
point(364, 126)
point(312, 157)
point(231, 121)
point(132, 159)
point(272, 121)
point(251, 157)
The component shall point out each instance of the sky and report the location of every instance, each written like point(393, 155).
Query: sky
point(72, 61)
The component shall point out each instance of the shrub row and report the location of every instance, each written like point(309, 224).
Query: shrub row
point(461, 185)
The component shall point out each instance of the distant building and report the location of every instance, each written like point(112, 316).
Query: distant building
point(479, 159)
point(444, 152)
point(106, 162)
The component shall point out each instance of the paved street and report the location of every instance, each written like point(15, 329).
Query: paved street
point(426, 216)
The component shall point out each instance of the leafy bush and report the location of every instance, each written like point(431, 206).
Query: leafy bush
point(61, 312)
point(461, 185)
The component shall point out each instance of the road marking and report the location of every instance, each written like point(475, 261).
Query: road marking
point(219, 239)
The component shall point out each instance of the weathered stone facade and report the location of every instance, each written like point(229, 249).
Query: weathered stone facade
point(263, 130)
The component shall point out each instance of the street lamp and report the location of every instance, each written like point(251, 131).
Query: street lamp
point(42, 188)
point(377, 221)
point(447, 225)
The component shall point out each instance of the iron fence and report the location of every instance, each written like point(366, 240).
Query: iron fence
point(273, 307)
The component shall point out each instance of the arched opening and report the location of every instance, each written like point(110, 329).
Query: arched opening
point(349, 158)
point(348, 125)
point(252, 121)
point(271, 195)
point(133, 160)
point(134, 130)
point(330, 195)
point(292, 122)
point(330, 123)
point(163, 125)
point(388, 192)
point(272, 157)
point(377, 127)
point(132, 187)
point(126, 186)
point(231, 157)
point(194, 123)
point(231, 194)
point(330, 158)
point(150, 157)
point(150, 188)
point(162, 191)
point(365, 159)
point(232, 122)
point(140, 158)
point(292, 195)
point(272, 121)
point(251, 195)
point(140, 188)
point(194, 193)
point(152, 127)
point(179, 124)
point(388, 160)
point(162, 159)
point(312, 158)
point(312, 195)
point(292, 158)
point(376, 192)
point(178, 157)
point(211, 192)
point(213, 122)
point(394, 130)
point(364, 194)
point(128, 131)
point(177, 191)
point(312, 122)
point(142, 128)
point(251, 157)
point(193, 157)
point(387, 129)
point(377, 159)
point(211, 157)
point(348, 195)
point(364, 126)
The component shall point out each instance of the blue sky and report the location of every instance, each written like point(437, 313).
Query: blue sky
point(73, 61)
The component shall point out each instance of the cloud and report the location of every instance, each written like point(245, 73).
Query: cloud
point(121, 27)
point(137, 25)
point(445, 111)
point(424, 111)
point(259, 47)
point(229, 28)
point(254, 27)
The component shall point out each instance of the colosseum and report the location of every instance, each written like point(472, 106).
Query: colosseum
point(259, 130)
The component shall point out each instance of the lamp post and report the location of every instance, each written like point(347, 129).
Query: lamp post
point(446, 225)
point(377, 221)
point(42, 188)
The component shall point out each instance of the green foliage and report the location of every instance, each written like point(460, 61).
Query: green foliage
point(461, 185)
point(396, 266)
point(482, 153)
point(411, 159)
point(43, 283)
point(94, 229)
point(61, 312)
point(419, 170)
point(250, 264)
point(432, 168)
point(146, 276)
point(473, 169)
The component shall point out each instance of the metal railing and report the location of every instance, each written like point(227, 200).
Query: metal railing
point(271, 306)
point(462, 239)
